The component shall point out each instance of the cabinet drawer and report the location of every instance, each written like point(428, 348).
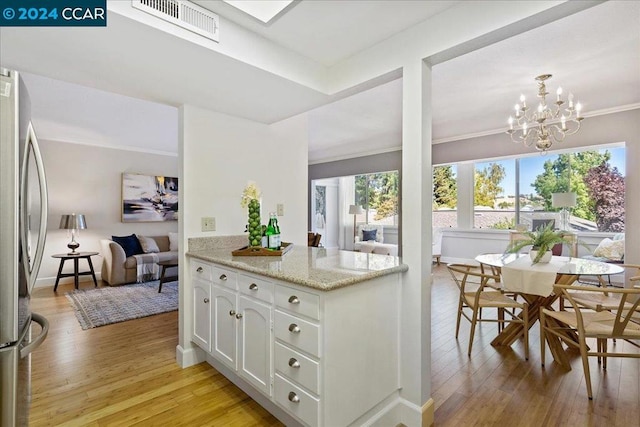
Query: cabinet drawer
point(297, 332)
point(224, 277)
point(296, 401)
point(200, 270)
point(298, 301)
point(256, 287)
point(297, 367)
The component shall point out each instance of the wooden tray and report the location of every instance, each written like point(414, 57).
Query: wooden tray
point(260, 251)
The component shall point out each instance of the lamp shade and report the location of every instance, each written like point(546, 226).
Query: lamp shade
point(355, 210)
point(563, 200)
point(73, 222)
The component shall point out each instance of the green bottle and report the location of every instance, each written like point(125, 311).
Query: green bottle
point(270, 232)
point(273, 232)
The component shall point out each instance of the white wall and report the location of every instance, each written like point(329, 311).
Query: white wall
point(87, 179)
point(221, 154)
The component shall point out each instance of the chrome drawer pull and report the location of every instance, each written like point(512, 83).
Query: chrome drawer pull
point(232, 313)
point(294, 299)
point(223, 277)
point(239, 316)
point(294, 363)
point(294, 329)
point(206, 300)
point(199, 270)
point(253, 287)
point(293, 397)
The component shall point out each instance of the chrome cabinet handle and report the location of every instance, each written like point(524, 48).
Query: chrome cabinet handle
point(253, 287)
point(294, 299)
point(223, 277)
point(206, 300)
point(199, 270)
point(293, 397)
point(232, 313)
point(294, 363)
point(239, 316)
point(294, 329)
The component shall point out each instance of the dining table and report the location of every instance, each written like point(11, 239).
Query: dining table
point(534, 282)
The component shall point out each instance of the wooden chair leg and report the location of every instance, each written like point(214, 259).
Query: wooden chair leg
point(473, 329)
point(525, 319)
point(459, 315)
point(542, 336)
point(585, 366)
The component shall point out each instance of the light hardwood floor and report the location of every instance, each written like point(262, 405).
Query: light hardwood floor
point(125, 374)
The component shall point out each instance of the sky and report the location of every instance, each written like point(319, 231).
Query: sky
point(533, 166)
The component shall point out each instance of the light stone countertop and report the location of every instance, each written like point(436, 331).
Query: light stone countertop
point(318, 268)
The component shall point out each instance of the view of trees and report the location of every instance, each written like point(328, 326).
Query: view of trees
point(445, 188)
point(606, 190)
point(599, 188)
point(487, 185)
point(378, 191)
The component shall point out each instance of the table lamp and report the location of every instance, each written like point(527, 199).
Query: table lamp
point(355, 210)
point(564, 201)
point(73, 222)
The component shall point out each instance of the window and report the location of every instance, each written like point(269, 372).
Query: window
point(494, 194)
point(519, 191)
point(377, 193)
point(445, 196)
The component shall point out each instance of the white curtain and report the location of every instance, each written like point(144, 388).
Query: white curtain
point(346, 197)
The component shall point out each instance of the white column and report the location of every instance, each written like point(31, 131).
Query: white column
point(416, 244)
point(465, 177)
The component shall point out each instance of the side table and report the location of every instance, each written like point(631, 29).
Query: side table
point(76, 258)
point(163, 274)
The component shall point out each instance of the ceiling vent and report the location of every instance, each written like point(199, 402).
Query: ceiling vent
point(183, 14)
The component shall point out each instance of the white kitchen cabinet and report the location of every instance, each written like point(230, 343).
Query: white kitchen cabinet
point(255, 343)
point(225, 326)
point(323, 358)
point(202, 314)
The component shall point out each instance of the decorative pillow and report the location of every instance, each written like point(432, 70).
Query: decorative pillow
point(173, 241)
point(611, 249)
point(148, 245)
point(369, 235)
point(130, 244)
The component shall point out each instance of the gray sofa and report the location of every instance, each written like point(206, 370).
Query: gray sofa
point(117, 269)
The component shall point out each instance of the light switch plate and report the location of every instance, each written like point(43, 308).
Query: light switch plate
point(280, 209)
point(208, 223)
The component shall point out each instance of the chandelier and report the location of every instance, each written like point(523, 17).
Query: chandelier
point(545, 125)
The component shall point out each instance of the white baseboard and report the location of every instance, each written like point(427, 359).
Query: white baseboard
point(189, 356)
point(44, 282)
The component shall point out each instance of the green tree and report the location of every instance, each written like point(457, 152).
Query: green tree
point(445, 190)
point(570, 168)
point(378, 191)
point(487, 184)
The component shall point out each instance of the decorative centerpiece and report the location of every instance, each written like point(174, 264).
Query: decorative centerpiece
point(541, 241)
point(251, 199)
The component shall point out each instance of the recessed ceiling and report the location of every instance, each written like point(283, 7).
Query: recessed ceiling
point(595, 54)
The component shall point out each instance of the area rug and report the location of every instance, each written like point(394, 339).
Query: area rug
point(104, 306)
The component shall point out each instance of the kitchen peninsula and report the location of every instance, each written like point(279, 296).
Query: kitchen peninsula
point(313, 335)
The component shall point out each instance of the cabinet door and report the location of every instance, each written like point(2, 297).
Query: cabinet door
point(255, 343)
point(224, 326)
point(202, 314)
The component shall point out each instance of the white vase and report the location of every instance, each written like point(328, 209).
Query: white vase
point(545, 258)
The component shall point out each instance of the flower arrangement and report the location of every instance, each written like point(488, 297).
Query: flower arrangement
point(250, 198)
point(542, 240)
point(250, 192)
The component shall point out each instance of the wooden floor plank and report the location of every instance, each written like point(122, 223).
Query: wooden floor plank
point(126, 375)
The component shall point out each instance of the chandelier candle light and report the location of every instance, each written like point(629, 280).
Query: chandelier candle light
point(547, 124)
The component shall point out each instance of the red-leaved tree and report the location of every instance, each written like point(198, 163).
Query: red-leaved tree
point(606, 190)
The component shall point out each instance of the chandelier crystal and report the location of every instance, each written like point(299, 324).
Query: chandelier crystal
point(547, 124)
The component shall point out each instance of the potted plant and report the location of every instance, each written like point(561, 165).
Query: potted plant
point(541, 241)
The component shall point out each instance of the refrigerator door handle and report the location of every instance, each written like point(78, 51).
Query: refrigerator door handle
point(35, 343)
point(32, 147)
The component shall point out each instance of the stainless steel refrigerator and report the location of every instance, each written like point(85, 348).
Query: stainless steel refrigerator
point(23, 222)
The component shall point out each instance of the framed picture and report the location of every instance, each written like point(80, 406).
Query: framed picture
point(149, 198)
